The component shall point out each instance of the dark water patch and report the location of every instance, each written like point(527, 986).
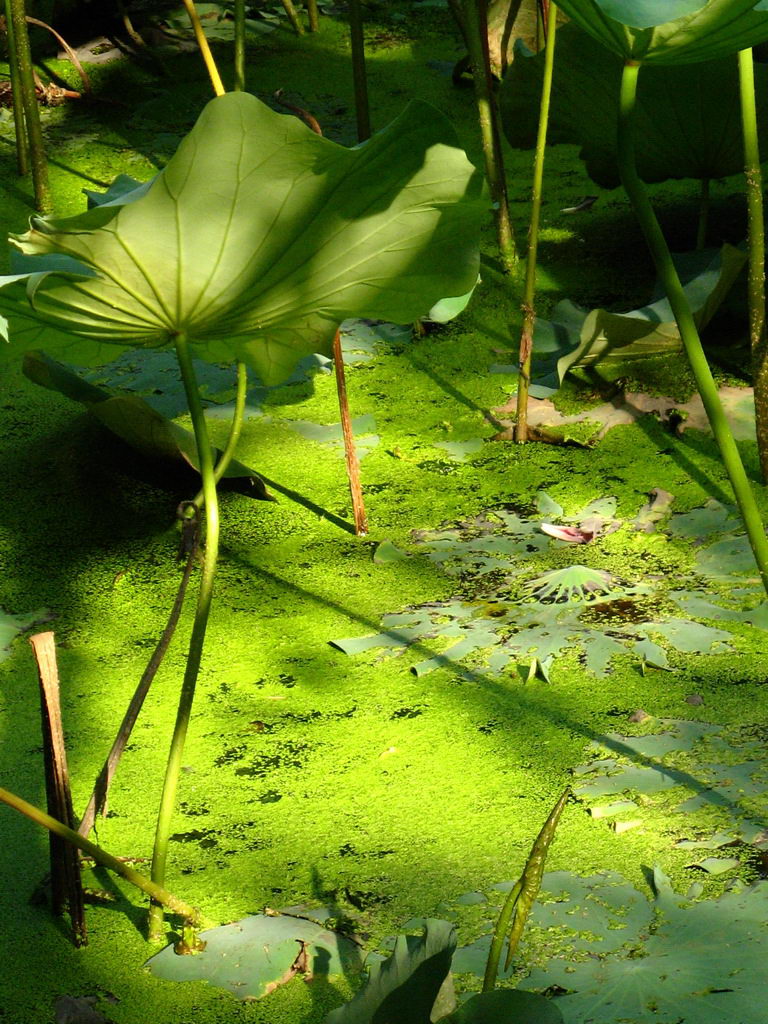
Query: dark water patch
point(205, 837)
point(286, 757)
point(192, 811)
point(230, 755)
point(364, 899)
point(406, 713)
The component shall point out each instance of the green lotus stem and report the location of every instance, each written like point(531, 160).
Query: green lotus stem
point(689, 334)
point(22, 156)
point(313, 15)
point(194, 657)
point(34, 131)
point(239, 45)
point(205, 50)
point(701, 230)
point(157, 892)
point(293, 17)
point(235, 430)
point(529, 314)
point(359, 76)
point(756, 246)
point(476, 27)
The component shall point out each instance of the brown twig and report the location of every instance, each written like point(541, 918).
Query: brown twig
point(66, 884)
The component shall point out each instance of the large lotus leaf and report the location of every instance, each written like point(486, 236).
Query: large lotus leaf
point(251, 956)
point(507, 1006)
point(403, 989)
point(703, 962)
point(688, 31)
point(132, 419)
point(688, 122)
point(577, 337)
point(258, 238)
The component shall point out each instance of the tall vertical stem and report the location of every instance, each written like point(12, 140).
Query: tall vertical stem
point(194, 657)
point(359, 76)
point(350, 454)
point(39, 164)
point(239, 45)
point(205, 50)
point(22, 156)
point(476, 26)
point(756, 243)
point(313, 15)
point(529, 314)
point(681, 310)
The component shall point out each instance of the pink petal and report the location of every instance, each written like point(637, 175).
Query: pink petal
point(571, 534)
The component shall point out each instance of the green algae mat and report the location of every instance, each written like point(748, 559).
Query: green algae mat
point(383, 722)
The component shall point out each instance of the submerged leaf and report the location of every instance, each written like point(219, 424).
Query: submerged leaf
point(257, 239)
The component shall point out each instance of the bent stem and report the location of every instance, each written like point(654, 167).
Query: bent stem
point(194, 657)
point(235, 430)
point(681, 310)
point(529, 314)
point(756, 244)
point(157, 892)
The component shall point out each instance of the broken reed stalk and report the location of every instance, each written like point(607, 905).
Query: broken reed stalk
point(529, 290)
point(350, 454)
point(359, 75)
point(239, 45)
point(34, 132)
point(103, 782)
point(159, 894)
point(66, 884)
point(205, 50)
point(756, 248)
point(199, 627)
point(293, 17)
point(20, 129)
point(476, 26)
point(681, 310)
point(314, 16)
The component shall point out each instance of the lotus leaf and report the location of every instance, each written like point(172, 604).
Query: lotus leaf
point(248, 956)
point(700, 961)
point(687, 119)
point(642, 30)
point(576, 337)
point(256, 240)
point(132, 420)
point(404, 988)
